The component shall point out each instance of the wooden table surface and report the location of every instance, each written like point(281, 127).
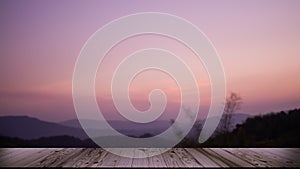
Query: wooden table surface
point(176, 157)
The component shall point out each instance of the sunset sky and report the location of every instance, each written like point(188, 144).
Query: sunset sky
point(257, 41)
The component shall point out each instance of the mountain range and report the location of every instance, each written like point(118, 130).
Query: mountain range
point(25, 127)
point(28, 128)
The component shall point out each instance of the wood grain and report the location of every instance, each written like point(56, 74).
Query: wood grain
point(176, 157)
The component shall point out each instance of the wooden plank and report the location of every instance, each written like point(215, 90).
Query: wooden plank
point(76, 161)
point(172, 159)
point(152, 158)
point(4, 152)
point(176, 157)
point(288, 154)
point(202, 159)
point(186, 158)
point(157, 160)
point(35, 157)
point(249, 157)
point(124, 161)
point(8, 153)
point(95, 158)
point(230, 157)
point(110, 159)
point(83, 157)
point(14, 153)
point(267, 157)
point(215, 157)
point(57, 158)
point(9, 156)
point(21, 158)
point(295, 150)
point(270, 158)
point(138, 161)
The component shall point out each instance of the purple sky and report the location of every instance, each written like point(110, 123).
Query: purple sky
point(258, 43)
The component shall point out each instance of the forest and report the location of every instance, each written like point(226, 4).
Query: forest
point(279, 129)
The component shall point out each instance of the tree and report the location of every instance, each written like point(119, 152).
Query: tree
point(233, 104)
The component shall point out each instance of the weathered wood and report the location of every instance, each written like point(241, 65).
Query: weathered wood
point(109, 160)
point(157, 161)
point(273, 159)
point(203, 160)
point(97, 158)
point(230, 157)
point(172, 159)
point(24, 157)
point(186, 158)
point(79, 160)
point(34, 157)
point(7, 154)
point(176, 157)
point(215, 157)
point(288, 154)
point(125, 161)
point(56, 158)
point(248, 155)
point(15, 154)
point(138, 161)
point(84, 158)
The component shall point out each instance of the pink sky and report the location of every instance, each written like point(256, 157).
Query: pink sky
point(258, 43)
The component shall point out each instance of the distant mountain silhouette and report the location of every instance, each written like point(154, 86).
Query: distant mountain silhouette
point(125, 127)
point(153, 128)
point(270, 130)
point(25, 127)
point(47, 142)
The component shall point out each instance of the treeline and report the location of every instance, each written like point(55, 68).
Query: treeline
point(280, 129)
